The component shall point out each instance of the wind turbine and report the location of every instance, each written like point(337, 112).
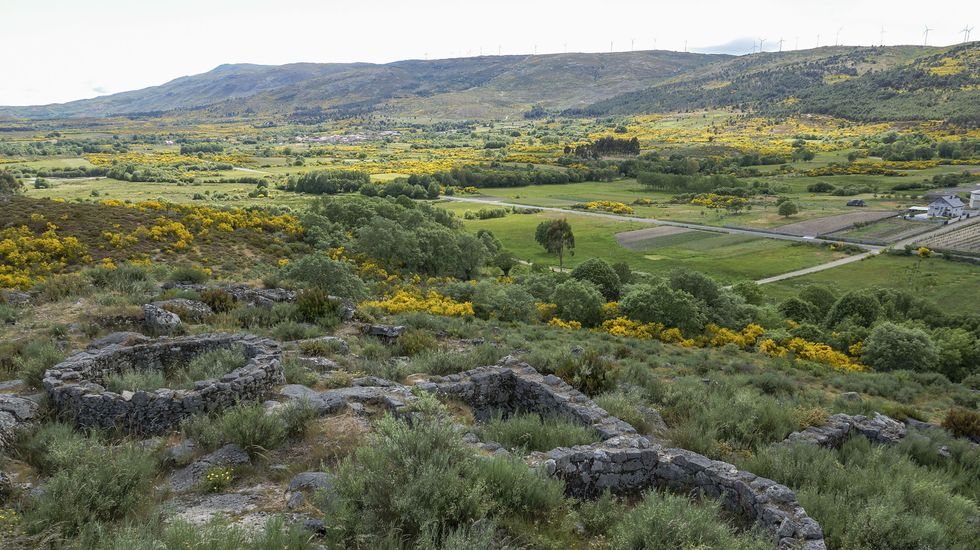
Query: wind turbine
point(925, 36)
point(781, 44)
point(882, 35)
point(762, 42)
point(632, 44)
point(837, 39)
point(966, 33)
point(818, 40)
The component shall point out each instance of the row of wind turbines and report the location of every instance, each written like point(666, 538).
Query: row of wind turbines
point(925, 38)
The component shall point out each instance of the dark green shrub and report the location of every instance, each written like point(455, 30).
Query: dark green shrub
point(331, 276)
point(891, 347)
point(662, 304)
point(313, 304)
point(413, 342)
point(599, 273)
point(578, 301)
point(189, 274)
point(589, 373)
point(962, 422)
point(219, 300)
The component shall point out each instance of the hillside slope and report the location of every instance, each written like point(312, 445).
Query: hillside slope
point(464, 86)
point(890, 83)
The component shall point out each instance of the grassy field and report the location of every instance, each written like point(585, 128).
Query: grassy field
point(952, 285)
point(627, 191)
point(726, 257)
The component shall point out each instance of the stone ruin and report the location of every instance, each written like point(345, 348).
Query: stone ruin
point(623, 461)
point(75, 386)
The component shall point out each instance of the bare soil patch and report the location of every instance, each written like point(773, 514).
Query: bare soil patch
point(639, 239)
point(829, 224)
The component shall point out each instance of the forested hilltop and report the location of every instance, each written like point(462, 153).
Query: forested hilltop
point(865, 84)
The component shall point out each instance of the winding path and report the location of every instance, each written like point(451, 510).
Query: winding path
point(870, 250)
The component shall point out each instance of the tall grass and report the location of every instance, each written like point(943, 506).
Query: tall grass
point(672, 521)
point(250, 426)
point(870, 496)
point(532, 432)
point(35, 358)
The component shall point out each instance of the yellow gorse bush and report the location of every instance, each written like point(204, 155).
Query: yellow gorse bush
point(413, 300)
point(27, 258)
point(605, 206)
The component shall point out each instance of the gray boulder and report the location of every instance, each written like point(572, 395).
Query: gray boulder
point(117, 339)
point(190, 310)
point(24, 410)
point(388, 333)
point(189, 476)
point(159, 320)
point(311, 481)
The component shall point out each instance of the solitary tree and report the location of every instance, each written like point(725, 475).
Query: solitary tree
point(788, 208)
point(556, 237)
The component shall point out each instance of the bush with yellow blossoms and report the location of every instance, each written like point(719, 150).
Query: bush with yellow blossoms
point(413, 300)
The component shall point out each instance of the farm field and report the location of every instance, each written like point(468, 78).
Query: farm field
point(950, 284)
point(726, 257)
point(831, 224)
point(884, 231)
point(964, 239)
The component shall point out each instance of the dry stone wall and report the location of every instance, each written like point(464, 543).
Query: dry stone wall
point(625, 462)
point(76, 388)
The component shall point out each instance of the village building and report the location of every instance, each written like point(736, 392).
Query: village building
point(949, 206)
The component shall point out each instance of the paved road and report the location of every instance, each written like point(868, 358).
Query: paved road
point(654, 221)
point(858, 257)
point(870, 250)
point(239, 168)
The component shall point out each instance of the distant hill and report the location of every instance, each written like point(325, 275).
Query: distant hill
point(883, 83)
point(859, 83)
point(487, 86)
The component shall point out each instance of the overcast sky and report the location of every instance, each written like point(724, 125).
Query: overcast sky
point(60, 50)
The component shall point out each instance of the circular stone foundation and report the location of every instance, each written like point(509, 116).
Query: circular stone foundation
point(76, 388)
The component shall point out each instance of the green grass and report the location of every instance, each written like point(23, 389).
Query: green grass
point(532, 432)
point(725, 257)
point(946, 283)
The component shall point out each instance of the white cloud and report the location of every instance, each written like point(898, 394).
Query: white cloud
point(54, 50)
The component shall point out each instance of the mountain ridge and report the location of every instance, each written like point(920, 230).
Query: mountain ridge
point(864, 83)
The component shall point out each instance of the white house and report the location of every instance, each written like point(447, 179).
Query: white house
point(949, 206)
point(975, 199)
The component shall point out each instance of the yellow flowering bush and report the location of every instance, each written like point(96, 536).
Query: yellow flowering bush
point(26, 258)
point(546, 310)
point(744, 339)
point(10, 521)
point(569, 325)
point(605, 206)
point(216, 479)
point(413, 300)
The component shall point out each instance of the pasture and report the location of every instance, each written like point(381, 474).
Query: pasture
point(726, 257)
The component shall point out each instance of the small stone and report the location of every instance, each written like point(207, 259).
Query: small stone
point(850, 396)
point(311, 481)
point(295, 500)
point(315, 526)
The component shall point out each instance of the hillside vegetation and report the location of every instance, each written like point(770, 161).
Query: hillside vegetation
point(867, 84)
point(858, 83)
